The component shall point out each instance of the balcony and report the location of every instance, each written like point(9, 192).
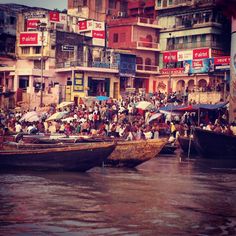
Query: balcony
point(147, 69)
point(140, 21)
point(87, 66)
point(184, 46)
point(147, 46)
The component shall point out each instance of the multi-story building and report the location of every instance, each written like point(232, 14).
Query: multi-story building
point(136, 30)
point(62, 55)
point(194, 34)
point(8, 18)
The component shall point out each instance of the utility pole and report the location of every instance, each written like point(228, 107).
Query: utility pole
point(42, 28)
point(169, 79)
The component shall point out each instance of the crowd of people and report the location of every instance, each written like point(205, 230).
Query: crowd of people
point(118, 118)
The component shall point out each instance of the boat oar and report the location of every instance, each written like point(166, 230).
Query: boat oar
point(189, 144)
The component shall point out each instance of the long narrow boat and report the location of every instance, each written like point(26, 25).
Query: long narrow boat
point(211, 144)
point(133, 153)
point(69, 158)
point(126, 154)
point(184, 143)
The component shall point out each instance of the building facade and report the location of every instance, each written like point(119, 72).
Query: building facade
point(194, 40)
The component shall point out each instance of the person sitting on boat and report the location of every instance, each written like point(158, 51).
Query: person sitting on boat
point(18, 127)
point(233, 128)
point(227, 130)
point(32, 129)
point(218, 128)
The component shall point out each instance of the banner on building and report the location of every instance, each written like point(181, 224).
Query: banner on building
point(54, 16)
point(198, 66)
point(201, 53)
point(127, 65)
point(185, 55)
point(222, 63)
point(167, 71)
point(85, 25)
point(32, 39)
point(32, 23)
point(93, 29)
point(171, 56)
point(195, 54)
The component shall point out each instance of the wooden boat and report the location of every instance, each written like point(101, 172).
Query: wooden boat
point(133, 153)
point(67, 157)
point(211, 144)
point(168, 148)
point(184, 145)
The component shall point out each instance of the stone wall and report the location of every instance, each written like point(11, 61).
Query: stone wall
point(205, 97)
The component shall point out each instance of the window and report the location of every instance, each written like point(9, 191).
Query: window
point(37, 64)
point(112, 4)
point(203, 38)
point(37, 50)
point(98, 6)
point(115, 38)
point(185, 39)
point(170, 2)
point(122, 37)
point(23, 82)
point(12, 20)
point(25, 50)
point(159, 3)
point(194, 38)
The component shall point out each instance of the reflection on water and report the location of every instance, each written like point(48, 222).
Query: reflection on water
point(165, 196)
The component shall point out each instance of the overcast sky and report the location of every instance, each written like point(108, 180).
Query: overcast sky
point(50, 4)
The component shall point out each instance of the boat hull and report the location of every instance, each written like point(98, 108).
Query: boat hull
point(74, 158)
point(215, 145)
point(184, 145)
point(133, 153)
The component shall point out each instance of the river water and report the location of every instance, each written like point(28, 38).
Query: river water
point(164, 196)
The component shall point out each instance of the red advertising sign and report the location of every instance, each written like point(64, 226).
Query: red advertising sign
point(98, 34)
point(29, 39)
point(54, 16)
point(166, 71)
point(170, 56)
point(32, 24)
point(201, 53)
point(83, 25)
point(197, 64)
point(222, 60)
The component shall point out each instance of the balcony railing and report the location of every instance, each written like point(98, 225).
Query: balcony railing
point(92, 64)
point(194, 45)
point(147, 45)
point(147, 68)
point(133, 21)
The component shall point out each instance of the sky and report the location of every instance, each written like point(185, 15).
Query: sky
point(50, 4)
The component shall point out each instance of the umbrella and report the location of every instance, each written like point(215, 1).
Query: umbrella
point(30, 116)
point(144, 105)
point(102, 98)
point(68, 119)
point(154, 117)
point(57, 116)
point(64, 104)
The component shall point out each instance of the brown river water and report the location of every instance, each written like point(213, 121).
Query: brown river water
point(165, 196)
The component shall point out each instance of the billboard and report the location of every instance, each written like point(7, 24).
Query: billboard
point(78, 82)
point(32, 39)
point(195, 54)
point(32, 23)
point(171, 56)
point(54, 16)
point(222, 63)
point(127, 65)
point(198, 66)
